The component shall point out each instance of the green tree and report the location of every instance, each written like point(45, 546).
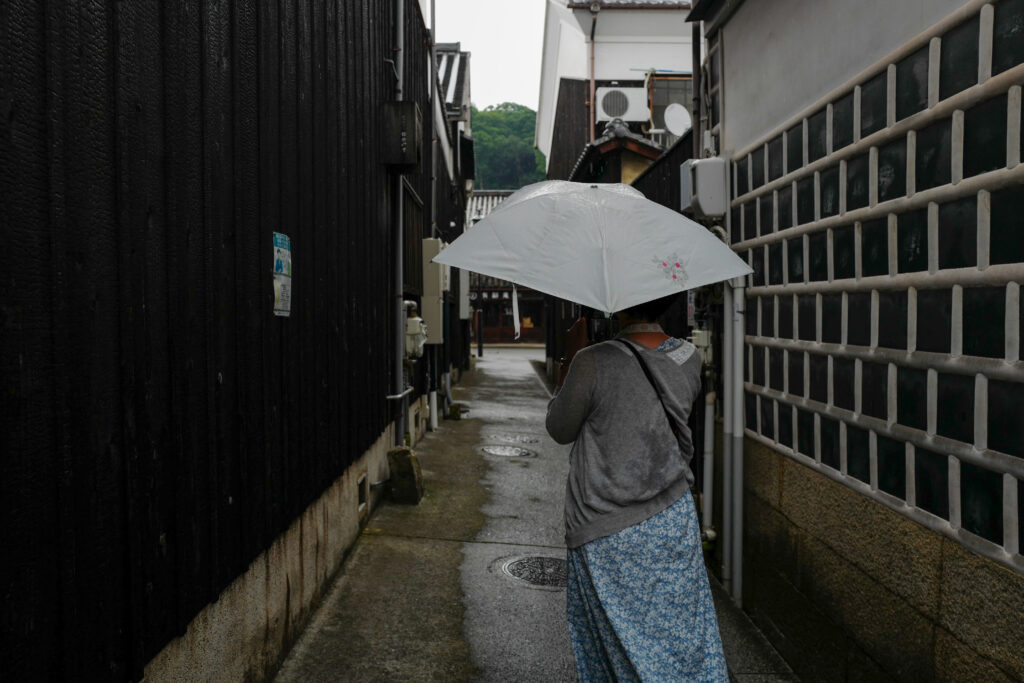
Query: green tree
point(503, 143)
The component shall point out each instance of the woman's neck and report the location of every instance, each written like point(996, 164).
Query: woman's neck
point(643, 332)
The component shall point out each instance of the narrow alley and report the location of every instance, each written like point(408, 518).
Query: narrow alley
point(428, 592)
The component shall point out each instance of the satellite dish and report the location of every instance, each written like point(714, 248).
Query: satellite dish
point(677, 119)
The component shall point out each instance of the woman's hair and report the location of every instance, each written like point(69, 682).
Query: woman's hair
point(652, 310)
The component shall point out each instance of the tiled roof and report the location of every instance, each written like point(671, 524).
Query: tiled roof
point(483, 202)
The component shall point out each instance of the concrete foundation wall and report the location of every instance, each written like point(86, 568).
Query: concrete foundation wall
point(245, 633)
point(848, 590)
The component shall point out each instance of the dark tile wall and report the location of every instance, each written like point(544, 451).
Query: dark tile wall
point(858, 457)
point(874, 390)
point(985, 136)
point(912, 397)
point(818, 378)
point(912, 241)
point(842, 122)
point(766, 214)
point(981, 502)
point(817, 130)
point(831, 318)
point(794, 148)
point(817, 256)
point(807, 317)
point(931, 482)
point(958, 61)
point(843, 253)
point(1006, 235)
point(892, 466)
point(768, 316)
point(875, 247)
point(934, 324)
point(857, 182)
point(795, 253)
point(858, 318)
point(843, 383)
point(912, 84)
point(1005, 417)
point(757, 168)
point(892, 319)
point(955, 410)
point(984, 317)
point(958, 233)
point(1008, 38)
point(805, 432)
point(829, 440)
point(872, 105)
point(775, 166)
point(796, 372)
point(892, 170)
point(786, 207)
point(805, 200)
point(933, 158)
point(829, 201)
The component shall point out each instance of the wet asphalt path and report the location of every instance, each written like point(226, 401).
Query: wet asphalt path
point(423, 596)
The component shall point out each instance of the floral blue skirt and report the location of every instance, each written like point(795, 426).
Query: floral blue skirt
point(639, 604)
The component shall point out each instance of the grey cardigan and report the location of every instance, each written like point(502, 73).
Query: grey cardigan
point(625, 464)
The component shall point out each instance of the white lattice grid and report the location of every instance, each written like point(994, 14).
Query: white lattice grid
point(1008, 275)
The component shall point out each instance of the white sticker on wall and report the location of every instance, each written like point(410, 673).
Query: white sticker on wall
point(282, 275)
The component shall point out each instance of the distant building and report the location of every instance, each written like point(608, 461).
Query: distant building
point(492, 297)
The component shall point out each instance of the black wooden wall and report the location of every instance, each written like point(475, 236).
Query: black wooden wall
point(159, 426)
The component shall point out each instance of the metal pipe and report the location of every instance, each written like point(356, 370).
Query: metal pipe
point(695, 71)
point(593, 91)
point(708, 495)
point(738, 307)
point(727, 391)
point(398, 381)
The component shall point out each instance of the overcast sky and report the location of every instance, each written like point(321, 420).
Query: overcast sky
point(505, 38)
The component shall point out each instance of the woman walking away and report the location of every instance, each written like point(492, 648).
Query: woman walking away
point(639, 603)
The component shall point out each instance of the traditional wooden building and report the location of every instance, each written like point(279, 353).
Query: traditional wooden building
point(198, 327)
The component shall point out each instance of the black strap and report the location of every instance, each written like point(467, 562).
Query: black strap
point(647, 372)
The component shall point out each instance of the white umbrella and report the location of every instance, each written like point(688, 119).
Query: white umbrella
point(605, 246)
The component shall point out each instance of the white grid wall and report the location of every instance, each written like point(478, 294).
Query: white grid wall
point(885, 227)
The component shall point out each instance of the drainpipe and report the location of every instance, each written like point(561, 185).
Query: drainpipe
point(727, 405)
point(594, 9)
point(695, 82)
point(433, 193)
point(399, 390)
point(739, 306)
point(708, 497)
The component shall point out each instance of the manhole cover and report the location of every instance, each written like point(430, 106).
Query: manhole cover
point(516, 438)
point(537, 571)
point(508, 451)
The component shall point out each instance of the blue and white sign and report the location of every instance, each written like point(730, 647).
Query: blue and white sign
point(282, 275)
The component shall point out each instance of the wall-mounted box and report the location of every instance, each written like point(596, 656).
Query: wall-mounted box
point(704, 187)
point(432, 312)
point(401, 135)
point(436, 277)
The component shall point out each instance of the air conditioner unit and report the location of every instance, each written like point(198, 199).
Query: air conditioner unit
point(628, 104)
point(435, 275)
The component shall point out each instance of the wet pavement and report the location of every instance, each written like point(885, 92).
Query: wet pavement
point(428, 592)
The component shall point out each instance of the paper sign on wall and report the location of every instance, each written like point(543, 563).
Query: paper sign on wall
point(282, 275)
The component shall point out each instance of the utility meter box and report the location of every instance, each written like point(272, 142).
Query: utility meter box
point(465, 312)
point(435, 276)
point(704, 187)
point(402, 138)
point(432, 311)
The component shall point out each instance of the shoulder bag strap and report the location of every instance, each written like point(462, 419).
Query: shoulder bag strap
point(647, 372)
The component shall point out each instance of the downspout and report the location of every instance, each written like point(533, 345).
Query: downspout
point(594, 9)
point(727, 392)
point(695, 70)
point(399, 245)
point(708, 495)
point(433, 195)
point(739, 306)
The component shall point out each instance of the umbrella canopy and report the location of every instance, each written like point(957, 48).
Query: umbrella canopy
point(604, 246)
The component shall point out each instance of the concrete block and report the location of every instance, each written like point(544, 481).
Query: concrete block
point(957, 663)
point(762, 472)
point(900, 554)
point(982, 606)
point(769, 539)
point(406, 482)
point(885, 626)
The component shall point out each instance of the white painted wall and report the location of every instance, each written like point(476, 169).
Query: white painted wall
point(626, 43)
point(780, 57)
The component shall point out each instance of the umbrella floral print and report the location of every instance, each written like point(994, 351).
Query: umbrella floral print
point(673, 269)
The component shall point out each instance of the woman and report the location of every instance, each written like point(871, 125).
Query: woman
point(639, 603)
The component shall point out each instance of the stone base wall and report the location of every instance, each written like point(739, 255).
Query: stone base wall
point(245, 633)
point(849, 590)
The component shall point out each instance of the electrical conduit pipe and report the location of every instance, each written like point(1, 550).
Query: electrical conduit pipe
point(399, 244)
point(738, 311)
point(727, 392)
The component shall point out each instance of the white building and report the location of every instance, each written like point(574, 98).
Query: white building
point(627, 43)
